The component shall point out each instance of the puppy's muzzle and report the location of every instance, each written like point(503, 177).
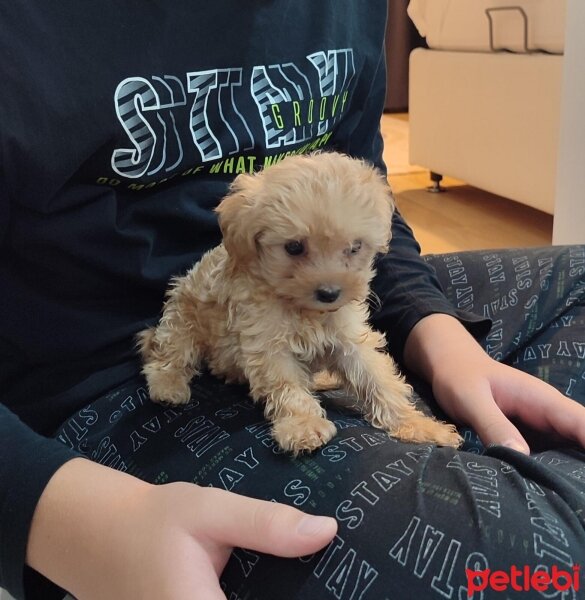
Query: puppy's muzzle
point(327, 294)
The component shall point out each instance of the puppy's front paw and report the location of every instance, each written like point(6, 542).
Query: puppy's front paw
point(168, 387)
point(420, 428)
point(303, 433)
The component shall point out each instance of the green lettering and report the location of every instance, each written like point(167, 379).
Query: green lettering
point(325, 139)
point(344, 99)
point(297, 112)
point(322, 108)
point(277, 118)
point(335, 103)
point(241, 166)
point(228, 165)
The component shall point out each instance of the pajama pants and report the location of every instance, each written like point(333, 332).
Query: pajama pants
point(414, 520)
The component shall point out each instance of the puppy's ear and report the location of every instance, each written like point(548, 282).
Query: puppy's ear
point(387, 207)
point(380, 195)
point(238, 218)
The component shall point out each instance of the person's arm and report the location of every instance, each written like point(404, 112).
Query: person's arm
point(406, 285)
point(409, 291)
point(100, 533)
point(28, 463)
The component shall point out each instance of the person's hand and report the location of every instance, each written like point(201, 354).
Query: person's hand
point(99, 533)
point(476, 390)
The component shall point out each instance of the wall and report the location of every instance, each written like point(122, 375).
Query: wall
point(569, 220)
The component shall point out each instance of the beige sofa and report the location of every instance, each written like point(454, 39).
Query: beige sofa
point(483, 114)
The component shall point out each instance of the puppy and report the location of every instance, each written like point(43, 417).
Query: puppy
point(284, 297)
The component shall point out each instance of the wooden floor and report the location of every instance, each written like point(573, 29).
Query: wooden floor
point(463, 218)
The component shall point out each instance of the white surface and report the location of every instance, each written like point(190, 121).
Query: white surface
point(490, 119)
point(569, 222)
point(463, 24)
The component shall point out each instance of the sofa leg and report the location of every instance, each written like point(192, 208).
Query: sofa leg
point(436, 188)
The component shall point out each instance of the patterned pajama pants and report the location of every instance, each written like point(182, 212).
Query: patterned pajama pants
point(414, 520)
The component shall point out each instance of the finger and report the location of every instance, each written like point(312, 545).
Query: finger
point(544, 408)
point(487, 419)
point(557, 413)
point(493, 427)
point(569, 420)
point(267, 527)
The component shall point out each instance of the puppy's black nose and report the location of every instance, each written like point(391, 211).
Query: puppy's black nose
point(327, 294)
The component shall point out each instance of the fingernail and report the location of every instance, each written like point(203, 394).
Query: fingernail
point(515, 446)
point(311, 525)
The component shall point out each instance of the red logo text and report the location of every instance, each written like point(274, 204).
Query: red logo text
point(522, 580)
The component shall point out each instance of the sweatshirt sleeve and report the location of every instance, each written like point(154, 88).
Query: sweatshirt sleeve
point(28, 462)
point(405, 283)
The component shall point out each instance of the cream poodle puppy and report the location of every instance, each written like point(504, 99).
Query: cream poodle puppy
point(285, 297)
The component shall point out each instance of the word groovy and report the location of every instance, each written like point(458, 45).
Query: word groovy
point(523, 580)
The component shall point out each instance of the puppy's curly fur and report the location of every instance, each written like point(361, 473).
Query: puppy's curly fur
point(284, 297)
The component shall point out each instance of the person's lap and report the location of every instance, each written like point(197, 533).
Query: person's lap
point(412, 518)
point(535, 298)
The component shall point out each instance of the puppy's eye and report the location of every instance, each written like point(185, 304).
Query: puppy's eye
point(294, 248)
point(355, 247)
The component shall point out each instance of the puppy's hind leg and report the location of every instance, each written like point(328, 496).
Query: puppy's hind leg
point(323, 381)
point(386, 399)
point(171, 355)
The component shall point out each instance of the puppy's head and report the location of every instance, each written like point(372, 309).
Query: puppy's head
point(309, 227)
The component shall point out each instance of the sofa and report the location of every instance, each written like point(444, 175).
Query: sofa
point(485, 96)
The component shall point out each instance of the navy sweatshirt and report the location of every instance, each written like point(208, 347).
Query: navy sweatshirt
point(122, 123)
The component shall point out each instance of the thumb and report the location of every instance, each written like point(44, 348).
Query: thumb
point(267, 527)
point(493, 427)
